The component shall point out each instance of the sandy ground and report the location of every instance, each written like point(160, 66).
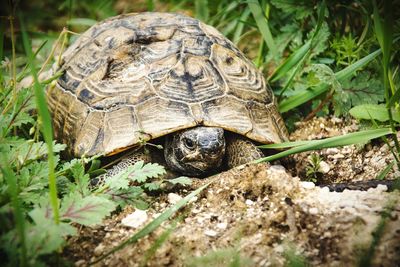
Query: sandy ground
point(260, 214)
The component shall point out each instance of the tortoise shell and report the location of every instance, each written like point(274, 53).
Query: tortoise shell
point(135, 77)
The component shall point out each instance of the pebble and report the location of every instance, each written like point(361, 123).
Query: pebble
point(337, 156)
point(99, 250)
point(249, 202)
point(222, 225)
point(279, 249)
point(278, 168)
point(307, 185)
point(135, 219)
point(369, 154)
point(347, 150)
point(384, 148)
point(210, 233)
point(173, 198)
point(80, 263)
point(336, 120)
point(313, 211)
point(332, 151)
point(324, 167)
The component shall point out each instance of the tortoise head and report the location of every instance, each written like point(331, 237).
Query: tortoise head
point(195, 151)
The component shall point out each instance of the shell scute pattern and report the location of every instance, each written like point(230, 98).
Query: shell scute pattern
point(136, 77)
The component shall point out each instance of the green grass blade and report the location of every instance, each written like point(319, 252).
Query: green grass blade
point(2, 29)
point(343, 140)
point(158, 243)
point(286, 144)
point(202, 11)
point(348, 71)
point(150, 227)
point(150, 5)
point(299, 56)
point(290, 62)
point(22, 74)
point(81, 22)
point(301, 97)
point(9, 176)
point(262, 24)
point(240, 26)
point(385, 171)
point(378, 25)
point(395, 98)
point(46, 125)
point(310, 93)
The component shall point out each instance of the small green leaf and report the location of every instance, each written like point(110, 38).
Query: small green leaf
point(82, 180)
point(142, 172)
point(124, 196)
point(375, 112)
point(89, 210)
point(120, 180)
point(300, 9)
point(45, 236)
point(183, 180)
point(140, 204)
point(152, 186)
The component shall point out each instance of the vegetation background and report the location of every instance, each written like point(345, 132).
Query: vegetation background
point(321, 58)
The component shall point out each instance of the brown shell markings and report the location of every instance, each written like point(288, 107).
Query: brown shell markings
point(135, 77)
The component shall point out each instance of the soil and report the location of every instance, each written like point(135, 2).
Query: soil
point(264, 215)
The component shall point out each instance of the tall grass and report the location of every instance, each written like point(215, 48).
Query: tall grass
point(46, 124)
point(384, 34)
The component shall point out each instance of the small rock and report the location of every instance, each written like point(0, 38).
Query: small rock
point(210, 233)
point(307, 185)
point(279, 249)
point(337, 156)
point(135, 219)
point(173, 198)
point(332, 151)
point(324, 167)
point(313, 211)
point(80, 263)
point(369, 154)
point(277, 168)
point(347, 150)
point(336, 120)
point(249, 202)
point(327, 234)
point(99, 250)
point(384, 148)
point(382, 187)
point(222, 225)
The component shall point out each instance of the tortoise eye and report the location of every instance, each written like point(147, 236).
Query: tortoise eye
point(189, 143)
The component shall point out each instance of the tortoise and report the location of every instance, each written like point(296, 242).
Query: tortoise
point(162, 76)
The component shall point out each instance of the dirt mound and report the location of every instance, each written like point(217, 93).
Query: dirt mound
point(260, 213)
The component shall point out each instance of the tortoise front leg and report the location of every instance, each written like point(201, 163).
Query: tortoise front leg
point(124, 163)
point(240, 150)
